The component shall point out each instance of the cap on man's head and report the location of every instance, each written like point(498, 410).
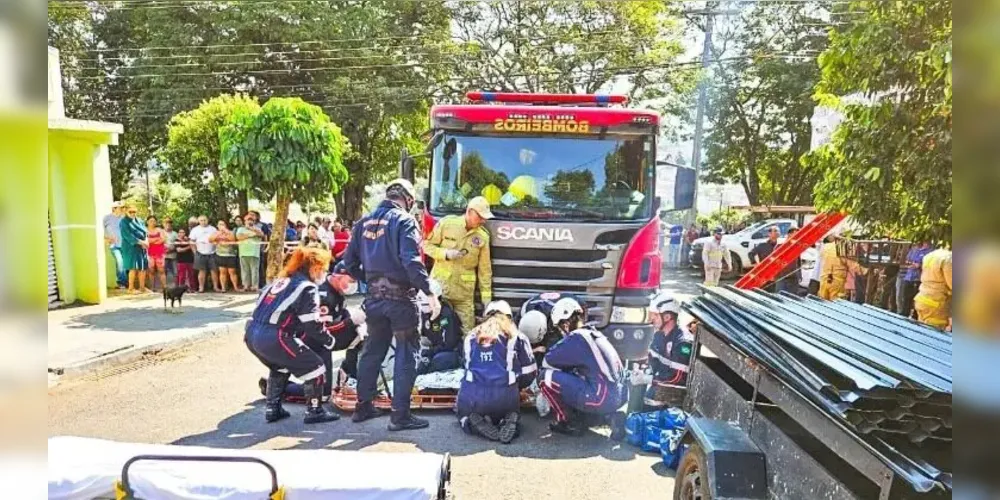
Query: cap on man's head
point(117, 204)
point(718, 230)
point(481, 206)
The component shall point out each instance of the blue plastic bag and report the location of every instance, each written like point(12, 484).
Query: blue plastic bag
point(635, 425)
point(651, 438)
point(671, 448)
point(672, 418)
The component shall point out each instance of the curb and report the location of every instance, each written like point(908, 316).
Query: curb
point(132, 354)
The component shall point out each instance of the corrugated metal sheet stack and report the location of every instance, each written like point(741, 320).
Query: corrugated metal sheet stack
point(889, 379)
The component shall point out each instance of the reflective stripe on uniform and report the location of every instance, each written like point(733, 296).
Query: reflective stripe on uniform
point(468, 358)
point(511, 351)
point(319, 371)
point(309, 317)
point(927, 301)
point(602, 363)
point(285, 304)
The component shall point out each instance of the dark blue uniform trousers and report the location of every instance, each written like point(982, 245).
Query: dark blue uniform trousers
point(284, 352)
point(569, 392)
point(494, 402)
point(387, 319)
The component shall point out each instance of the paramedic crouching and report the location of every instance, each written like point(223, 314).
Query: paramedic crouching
point(286, 313)
point(582, 374)
point(385, 253)
point(498, 364)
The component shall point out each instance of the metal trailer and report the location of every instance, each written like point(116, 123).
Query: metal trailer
point(753, 436)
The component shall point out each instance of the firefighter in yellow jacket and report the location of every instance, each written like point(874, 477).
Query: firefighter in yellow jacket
point(933, 301)
point(460, 247)
point(833, 273)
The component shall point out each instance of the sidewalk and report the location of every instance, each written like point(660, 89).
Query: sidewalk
point(89, 338)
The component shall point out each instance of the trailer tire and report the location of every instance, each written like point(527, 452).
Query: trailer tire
point(691, 480)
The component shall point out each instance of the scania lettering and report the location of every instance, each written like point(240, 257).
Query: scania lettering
point(531, 233)
point(571, 181)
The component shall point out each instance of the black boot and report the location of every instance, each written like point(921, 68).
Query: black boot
point(262, 384)
point(482, 426)
point(617, 423)
point(508, 428)
point(316, 412)
point(365, 411)
point(274, 392)
point(400, 421)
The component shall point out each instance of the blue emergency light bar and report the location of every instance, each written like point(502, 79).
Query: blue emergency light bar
point(521, 97)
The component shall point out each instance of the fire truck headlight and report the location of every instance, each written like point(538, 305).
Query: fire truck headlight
point(629, 315)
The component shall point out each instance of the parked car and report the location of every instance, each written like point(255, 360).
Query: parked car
point(740, 244)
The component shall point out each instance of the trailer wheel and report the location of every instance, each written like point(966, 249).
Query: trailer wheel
point(691, 481)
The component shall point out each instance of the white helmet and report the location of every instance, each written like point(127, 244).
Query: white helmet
point(403, 185)
point(664, 302)
point(564, 309)
point(533, 325)
point(498, 306)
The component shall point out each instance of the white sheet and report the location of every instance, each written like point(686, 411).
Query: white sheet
point(85, 468)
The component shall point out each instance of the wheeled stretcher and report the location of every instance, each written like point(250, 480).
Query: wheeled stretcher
point(89, 469)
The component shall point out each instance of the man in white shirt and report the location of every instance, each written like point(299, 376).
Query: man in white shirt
point(204, 256)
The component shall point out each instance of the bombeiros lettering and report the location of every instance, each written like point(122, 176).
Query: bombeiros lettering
point(562, 126)
point(534, 233)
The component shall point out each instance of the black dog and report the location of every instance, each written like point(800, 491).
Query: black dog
point(173, 294)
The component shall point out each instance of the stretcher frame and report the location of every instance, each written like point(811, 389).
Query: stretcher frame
point(346, 399)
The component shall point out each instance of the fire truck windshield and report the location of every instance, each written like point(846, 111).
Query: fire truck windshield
point(530, 177)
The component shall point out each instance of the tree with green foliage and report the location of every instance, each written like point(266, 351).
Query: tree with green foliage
point(761, 103)
point(191, 155)
point(573, 47)
point(288, 150)
point(889, 163)
point(372, 66)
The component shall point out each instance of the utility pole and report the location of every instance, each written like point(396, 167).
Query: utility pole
point(699, 117)
point(699, 121)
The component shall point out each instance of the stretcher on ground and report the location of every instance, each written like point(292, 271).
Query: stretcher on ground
point(346, 399)
point(89, 469)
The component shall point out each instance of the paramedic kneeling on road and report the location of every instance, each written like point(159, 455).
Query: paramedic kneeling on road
point(286, 312)
point(498, 364)
point(385, 252)
point(582, 374)
point(669, 354)
point(460, 247)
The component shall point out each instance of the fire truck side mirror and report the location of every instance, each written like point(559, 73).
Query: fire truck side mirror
point(435, 140)
point(449, 148)
point(657, 203)
point(406, 166)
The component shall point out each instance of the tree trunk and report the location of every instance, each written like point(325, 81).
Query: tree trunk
point(276, 248)
point(243, 198)
point(354, 201)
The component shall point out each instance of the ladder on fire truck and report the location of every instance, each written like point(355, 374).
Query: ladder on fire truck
point(790, 250)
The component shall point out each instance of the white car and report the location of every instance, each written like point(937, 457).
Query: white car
point(741, 243)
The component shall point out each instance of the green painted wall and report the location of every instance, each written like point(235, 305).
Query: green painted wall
point(79, 197)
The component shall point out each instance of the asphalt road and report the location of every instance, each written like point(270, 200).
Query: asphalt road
point(207, 395)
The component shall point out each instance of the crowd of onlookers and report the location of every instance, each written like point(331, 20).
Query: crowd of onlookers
point(228, 255)
point(678, 241)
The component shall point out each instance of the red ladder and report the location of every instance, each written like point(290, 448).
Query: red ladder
point(790, 250)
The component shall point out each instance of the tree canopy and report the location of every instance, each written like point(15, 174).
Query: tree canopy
point(889, 164)
point(761, 104)
point(193, 152)
point(288, 150)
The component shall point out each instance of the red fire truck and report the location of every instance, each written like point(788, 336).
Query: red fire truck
point(571, 181)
